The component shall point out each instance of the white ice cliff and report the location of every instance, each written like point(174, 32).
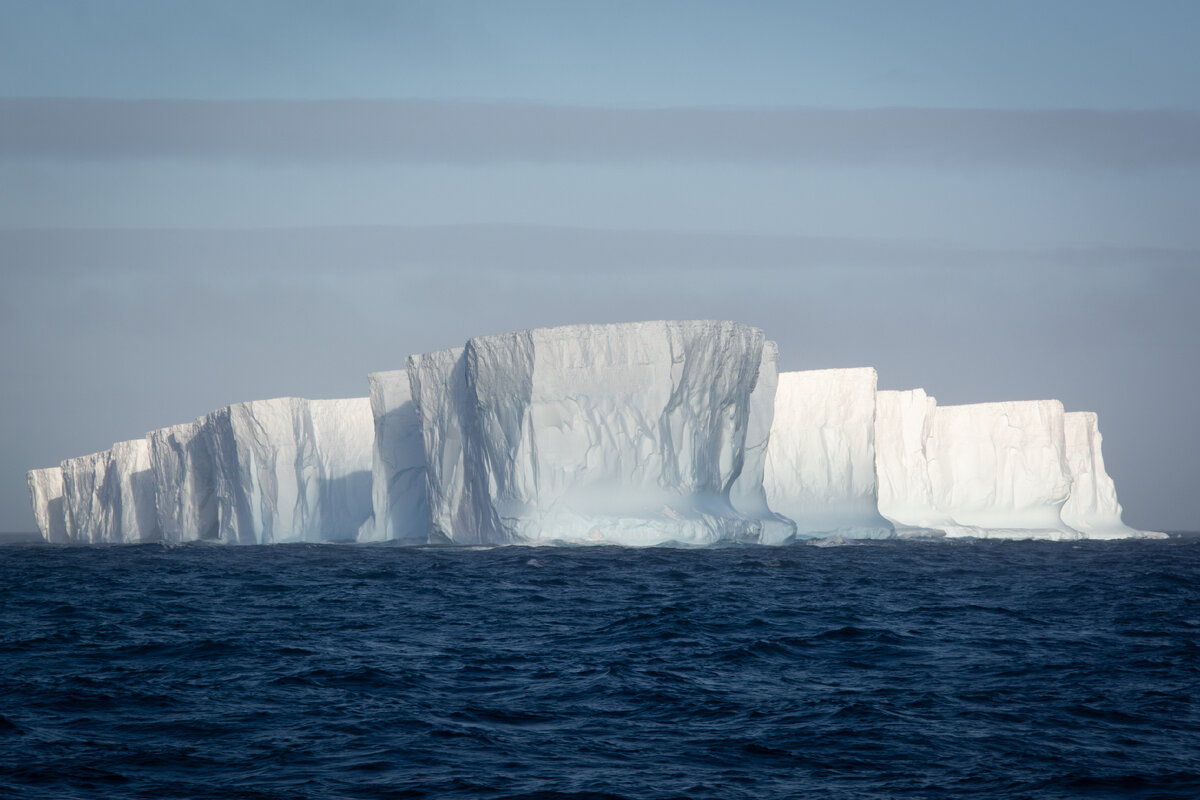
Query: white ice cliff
point(400, 508)
point(1000, 469)
point(266, 471)
point(820, 469)
point(1092, 507)
point(46, 493)
point(631, 434)
point(749, 494)
point(634, 434)
point(1013, 470)
point(108, 497)
point(903, 421)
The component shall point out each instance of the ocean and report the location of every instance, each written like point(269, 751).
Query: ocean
point(877, 670)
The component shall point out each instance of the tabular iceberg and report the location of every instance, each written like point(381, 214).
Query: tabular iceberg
point(634, 434)
point(108, 497)
point(820, 469)
point(266, 471)
point(1018, 469)
point(631, 434)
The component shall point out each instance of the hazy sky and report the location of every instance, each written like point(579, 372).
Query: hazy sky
point(205, 202)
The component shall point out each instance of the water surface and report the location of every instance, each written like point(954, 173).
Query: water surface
point(882, 670)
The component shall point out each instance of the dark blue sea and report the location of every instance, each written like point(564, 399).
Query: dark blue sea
point(884, 670)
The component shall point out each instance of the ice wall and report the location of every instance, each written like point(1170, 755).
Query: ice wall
point(400, 510)
point(87, 513)
point(1000, 469)
point(1092, 506)
point(266, 471)
point(342, 437)
point(108, 497)
point(903, 422)
point(748, 494)
point(46, 494)
point(440, 397)
point(820, 466)
point(185, 481)
point(637, 434)
point(633, 434)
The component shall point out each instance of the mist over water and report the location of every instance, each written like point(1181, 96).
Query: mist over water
point(877, 670)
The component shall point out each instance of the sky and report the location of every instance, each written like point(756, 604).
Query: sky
point(209, 202)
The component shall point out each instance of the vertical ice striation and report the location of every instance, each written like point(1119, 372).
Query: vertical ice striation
point(439, 393)
point(903, 421)
point(184, 483)
point(1000, 469)
point(85, 490)
point(266, 471)
point(108, 497)
point(820, 468)
point(637, 434)
point(631, 433)
point(748, 494)
point(342, 436)
point(1092, 507)
point(46, 494)
point(400, 510)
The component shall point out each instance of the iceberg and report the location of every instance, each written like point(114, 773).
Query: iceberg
point(1000, 469)
point(1022, 469)
point(1092, 507)
point(630, 434)
point(266, 471)
point(46, 494)
point(820, 467)
point(108, 497)
point(634, 434)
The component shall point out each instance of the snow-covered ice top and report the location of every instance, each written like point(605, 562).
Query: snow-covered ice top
point(820, 468)
point(631, 433)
